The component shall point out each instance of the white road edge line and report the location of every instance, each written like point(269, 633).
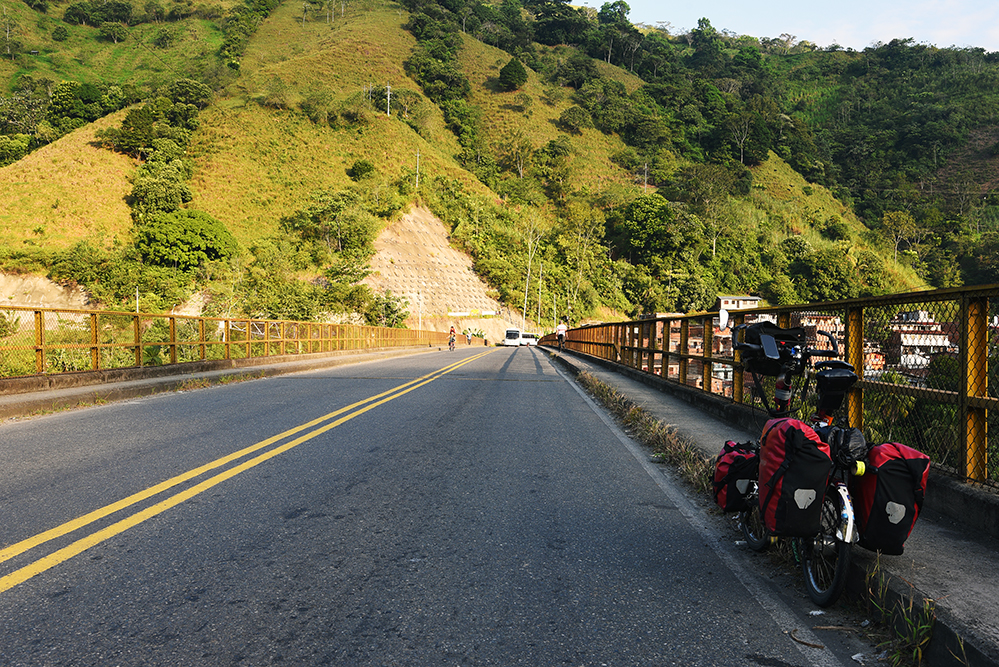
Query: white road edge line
point(781, 616)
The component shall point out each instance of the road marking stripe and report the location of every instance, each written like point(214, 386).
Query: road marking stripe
point(47, 562)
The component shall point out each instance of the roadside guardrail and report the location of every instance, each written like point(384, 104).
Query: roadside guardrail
point(45, 341)
point(923, 359)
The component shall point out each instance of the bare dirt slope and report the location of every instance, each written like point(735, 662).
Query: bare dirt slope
point(414, 258)
point(39, 292)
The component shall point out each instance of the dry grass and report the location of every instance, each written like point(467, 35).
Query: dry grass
point(66, 191)
point(256, 164)
point(780, 192)
point(665, 442)
point(592, 149)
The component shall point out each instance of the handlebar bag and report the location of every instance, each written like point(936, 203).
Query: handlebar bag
point(785, 338)
point(737, 466)
point(888, 497)
point(795, 465)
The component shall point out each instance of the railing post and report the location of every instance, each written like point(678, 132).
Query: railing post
point(854, 341)
point(656, 349)
point(684, 350)
point(173, 340)
point(39, 342)
point(201, 335)
point(137, 335)
point(95, 352)
point(708, 328)
point(738, 375)
point(974, 318)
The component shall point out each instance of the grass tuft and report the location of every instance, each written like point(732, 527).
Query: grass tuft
point(666, 444)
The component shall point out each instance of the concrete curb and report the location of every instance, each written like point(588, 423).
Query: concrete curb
point(954, 499)
point(946, 647)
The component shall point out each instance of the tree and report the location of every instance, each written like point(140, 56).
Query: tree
point(574, 119)
point(335, 223)
point(898, 227)
point(387, 310)
point(78, 13)
point(512, 76)
point(517, 152)
point(657, 227)
point(9, 28)
point(188, 91)
point(13, 148)
point(115, 32)
point(184, 239)
point(159, 188)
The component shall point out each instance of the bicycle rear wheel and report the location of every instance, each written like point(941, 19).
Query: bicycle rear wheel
point(826, 559)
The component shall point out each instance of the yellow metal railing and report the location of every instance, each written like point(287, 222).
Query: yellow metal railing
point(923, 359)
point(35, 341)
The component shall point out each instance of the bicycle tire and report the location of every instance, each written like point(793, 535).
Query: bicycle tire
point(751, 522)
point(826, 559)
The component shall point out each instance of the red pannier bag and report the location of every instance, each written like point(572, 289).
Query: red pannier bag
point(736, 468)
point(888, 496)
point(794, 469)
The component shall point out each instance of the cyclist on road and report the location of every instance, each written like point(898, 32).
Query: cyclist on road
point(560, 333)
point(450, 338)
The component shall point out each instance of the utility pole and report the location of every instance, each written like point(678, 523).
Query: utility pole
point(417, 169)
point(541, 273)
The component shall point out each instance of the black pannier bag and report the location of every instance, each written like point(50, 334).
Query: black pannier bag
point(785, 339)
point(736, 469)
point(888, 497)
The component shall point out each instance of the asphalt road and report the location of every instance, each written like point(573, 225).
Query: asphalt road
point(465, 508)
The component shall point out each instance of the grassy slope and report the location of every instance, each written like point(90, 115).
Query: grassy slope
point(505, 119)
point(781, 193)
point(255, 164)
point(66, 191)
point(85, 57)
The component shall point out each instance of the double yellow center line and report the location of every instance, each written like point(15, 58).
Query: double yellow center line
point(319, 426)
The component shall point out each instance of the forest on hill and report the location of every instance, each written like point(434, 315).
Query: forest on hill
point(630, 169)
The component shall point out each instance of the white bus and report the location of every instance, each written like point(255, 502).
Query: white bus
point(512, 338)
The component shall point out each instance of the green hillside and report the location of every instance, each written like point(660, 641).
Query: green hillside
point(639, 184)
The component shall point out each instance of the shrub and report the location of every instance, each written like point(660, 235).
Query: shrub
point(512, 76)
point(13, 148)
point(60, 34)
point(360, 169)
point(574, 119)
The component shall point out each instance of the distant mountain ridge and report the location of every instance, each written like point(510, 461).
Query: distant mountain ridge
point(552, 174)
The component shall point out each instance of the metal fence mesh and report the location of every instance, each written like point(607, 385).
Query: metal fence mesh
point(927, 364)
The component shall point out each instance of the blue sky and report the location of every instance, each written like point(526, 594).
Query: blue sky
point(850, 23)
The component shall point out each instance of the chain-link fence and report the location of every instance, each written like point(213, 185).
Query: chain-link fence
point(36, 341)
point(926, 360)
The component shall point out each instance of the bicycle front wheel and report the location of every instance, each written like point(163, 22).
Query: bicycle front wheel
point(826, 559)
point(753, 529)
